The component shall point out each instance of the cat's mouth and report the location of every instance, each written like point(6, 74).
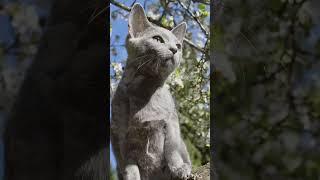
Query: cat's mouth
point(169, 60)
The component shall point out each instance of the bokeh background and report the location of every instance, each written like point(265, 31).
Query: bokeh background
point(21, 25)
point(266, 88)
point(189, 84)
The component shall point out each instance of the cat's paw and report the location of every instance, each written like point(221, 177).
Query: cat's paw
point(182, 173)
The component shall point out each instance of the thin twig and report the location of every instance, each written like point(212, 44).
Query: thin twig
point(191, 44)
point(122, 6)
point(93, 16)
point(202, 2)
point(194, 17)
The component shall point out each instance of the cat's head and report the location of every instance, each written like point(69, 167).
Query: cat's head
point(153, 50)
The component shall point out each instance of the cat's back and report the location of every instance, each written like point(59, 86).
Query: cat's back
point(119, 104)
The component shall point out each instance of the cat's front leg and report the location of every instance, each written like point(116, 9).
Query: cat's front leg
point(131, 172)
point(177, 166)
point(178, 169)
point(184, 153)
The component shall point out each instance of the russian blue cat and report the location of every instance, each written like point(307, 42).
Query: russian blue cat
point(145, 130)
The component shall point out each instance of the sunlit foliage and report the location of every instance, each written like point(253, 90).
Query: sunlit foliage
point(267, 89)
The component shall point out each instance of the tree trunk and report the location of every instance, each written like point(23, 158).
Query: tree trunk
point(58, 128)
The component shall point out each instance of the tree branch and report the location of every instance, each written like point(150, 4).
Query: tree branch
point(191, 44)
point(122, 6)
point(202, 2)
point(195, 18)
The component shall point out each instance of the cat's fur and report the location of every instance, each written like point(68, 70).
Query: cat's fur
point(145, 130)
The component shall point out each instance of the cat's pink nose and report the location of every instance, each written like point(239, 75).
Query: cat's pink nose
point(173, 50)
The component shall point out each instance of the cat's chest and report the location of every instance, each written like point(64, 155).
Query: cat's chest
point(158, 107)
point(145, 144)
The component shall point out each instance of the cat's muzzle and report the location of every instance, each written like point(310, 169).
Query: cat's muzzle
point(169, 60)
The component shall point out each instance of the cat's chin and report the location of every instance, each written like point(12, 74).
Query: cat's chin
point(168, 62)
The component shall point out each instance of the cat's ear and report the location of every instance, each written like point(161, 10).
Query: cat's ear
point(138, 21)
point(179, 31)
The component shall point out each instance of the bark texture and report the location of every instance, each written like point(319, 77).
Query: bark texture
point(202, 173)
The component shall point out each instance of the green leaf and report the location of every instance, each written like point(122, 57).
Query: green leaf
point(164, 21)
point(205, 13)
point(171, 23)
point(202, 7)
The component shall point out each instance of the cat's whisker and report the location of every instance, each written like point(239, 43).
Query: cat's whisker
point(157, 66)
point(139, 58)
point(140, 66)
point(142, 62)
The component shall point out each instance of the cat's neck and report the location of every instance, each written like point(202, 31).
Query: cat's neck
point(144, 86)
point(140, 84)
point(141, 90)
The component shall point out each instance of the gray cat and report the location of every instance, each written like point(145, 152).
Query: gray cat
point(145, 130)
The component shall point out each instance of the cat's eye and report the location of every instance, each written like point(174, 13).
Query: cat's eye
point(158, 38)
point(178, 46)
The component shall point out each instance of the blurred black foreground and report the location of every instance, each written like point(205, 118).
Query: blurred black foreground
point(57, 127)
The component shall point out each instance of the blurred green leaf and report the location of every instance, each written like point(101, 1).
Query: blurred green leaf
point(202, 7)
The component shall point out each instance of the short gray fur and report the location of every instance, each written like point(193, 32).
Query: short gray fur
point(145, 130)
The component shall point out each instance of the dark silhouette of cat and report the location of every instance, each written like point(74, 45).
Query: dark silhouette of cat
point(58, 127)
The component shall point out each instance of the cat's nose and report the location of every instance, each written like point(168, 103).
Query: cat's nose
point(173, 50)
